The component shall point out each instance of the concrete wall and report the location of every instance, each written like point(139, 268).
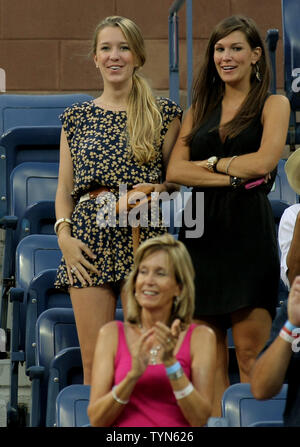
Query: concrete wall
point(44, 44)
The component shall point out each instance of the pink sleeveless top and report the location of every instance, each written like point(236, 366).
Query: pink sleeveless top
point(152, 402)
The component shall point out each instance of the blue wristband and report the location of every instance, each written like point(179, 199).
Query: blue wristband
point(173, 368)
point(289, 326)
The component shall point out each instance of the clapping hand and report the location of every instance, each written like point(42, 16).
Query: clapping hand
point(294, 303)
point(167, 338)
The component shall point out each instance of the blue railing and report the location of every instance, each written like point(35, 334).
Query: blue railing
point(174, 85)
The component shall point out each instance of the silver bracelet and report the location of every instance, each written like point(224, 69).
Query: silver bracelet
point(117, 399)
point(184, 392)
point(229, 163)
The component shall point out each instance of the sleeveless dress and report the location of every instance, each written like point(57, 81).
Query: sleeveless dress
point(236, 259)
point(152, 402)
point(101, 157)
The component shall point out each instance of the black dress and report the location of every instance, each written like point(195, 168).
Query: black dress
point(236, 259)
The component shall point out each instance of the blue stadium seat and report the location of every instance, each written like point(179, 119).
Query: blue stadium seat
point(291, 47)
point(55, 330)
point(34, 254)
point(21, 145)
point(241, 409)
point(34, 110)
point(65, 369)
point(71, 406)
point(32, 207)
point(41, 295)
point(18, 147)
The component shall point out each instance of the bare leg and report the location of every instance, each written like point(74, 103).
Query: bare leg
point(222, 378)
point(250, 330)
point(93, 307)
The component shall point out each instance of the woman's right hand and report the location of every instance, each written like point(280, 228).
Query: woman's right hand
point(141, 353)
point(72, 250)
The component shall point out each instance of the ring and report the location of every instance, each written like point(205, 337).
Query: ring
point(169, 340)
point(73, 269)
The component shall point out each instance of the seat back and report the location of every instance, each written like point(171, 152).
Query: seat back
point(55, 330)
point(65, 369)
point(37, 110)
point(41, 295)
point(35, 253)
point(71, 406)
point(32, 182)
point(241, 409)
point(22, 145)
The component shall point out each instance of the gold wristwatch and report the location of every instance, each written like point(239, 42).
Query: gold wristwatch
point(212, 163)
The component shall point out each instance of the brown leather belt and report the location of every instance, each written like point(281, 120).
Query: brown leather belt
point(93, 194)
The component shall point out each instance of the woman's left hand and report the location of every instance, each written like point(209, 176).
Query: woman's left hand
point(167, 338)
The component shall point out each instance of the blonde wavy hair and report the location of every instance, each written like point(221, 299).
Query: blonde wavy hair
point(144, 120)
point(179, 259)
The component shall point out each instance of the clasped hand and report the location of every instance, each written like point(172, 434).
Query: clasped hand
point(159, 335)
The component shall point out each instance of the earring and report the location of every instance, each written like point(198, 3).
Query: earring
point(257, 72)
point(176, 301)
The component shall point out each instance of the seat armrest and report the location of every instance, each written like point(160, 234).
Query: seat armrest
point(9, 222)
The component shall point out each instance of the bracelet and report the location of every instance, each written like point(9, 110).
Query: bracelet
point(173, 368)
point(289, 325)
point(185, 392)
point(287, 332)
point(229, 163)
point(62, 226)
point(286, 336)
point(117, 399)
point(59, 221)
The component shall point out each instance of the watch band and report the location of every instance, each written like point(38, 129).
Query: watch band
point(176, 375)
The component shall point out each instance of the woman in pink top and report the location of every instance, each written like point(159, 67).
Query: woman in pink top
point(157, 369)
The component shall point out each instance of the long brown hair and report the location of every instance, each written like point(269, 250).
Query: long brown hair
point(208, 87)
point(143, 116)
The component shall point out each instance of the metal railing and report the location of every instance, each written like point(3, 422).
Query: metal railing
point(174, 84)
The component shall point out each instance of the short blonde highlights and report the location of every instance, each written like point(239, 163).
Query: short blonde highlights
point(144, 120)
point(182, 264)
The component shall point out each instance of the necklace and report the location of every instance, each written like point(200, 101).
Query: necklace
point(120, 108)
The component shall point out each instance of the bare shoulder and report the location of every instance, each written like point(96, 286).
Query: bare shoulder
point(109, 329)
point(277, 101)
point(204, 334)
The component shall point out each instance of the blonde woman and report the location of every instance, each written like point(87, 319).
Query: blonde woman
point(122, 138)
point(157, 369)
